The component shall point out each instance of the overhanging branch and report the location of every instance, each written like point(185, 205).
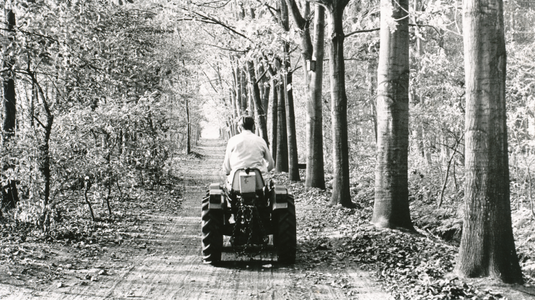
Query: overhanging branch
point(362, 31)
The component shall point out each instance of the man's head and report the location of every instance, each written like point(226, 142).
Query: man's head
point(247, 123)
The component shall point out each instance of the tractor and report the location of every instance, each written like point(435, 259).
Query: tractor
point(249, 212)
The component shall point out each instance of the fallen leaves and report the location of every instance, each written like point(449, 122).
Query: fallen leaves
point(67, 251)
point(408, 265)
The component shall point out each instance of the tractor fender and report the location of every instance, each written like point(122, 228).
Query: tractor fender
point(217, 197)
point(280, 197)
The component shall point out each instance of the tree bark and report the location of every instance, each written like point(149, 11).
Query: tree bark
point(241, 94)
point(487, 245)
point(313, 83)
point(291, 140)
point(281, 164)
point(391, 208)
point(371, 81)
point(259, 108)
point(264, 87)
point(274, 118)
point(10, 105)
point(293, 163)
point(244, 105)
point(44, 160)
point(234, 99)
point(315, 176)
point(340, 194)
point(9, 192)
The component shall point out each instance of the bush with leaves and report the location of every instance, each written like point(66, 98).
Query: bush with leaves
point(93, 88)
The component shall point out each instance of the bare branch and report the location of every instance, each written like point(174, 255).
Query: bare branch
point(210, 82)
point(377, 29)
point(362, 31)
point(212, 20)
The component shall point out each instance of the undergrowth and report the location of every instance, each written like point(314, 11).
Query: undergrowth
point(28, 252)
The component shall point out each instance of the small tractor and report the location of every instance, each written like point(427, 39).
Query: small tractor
point(249, 212)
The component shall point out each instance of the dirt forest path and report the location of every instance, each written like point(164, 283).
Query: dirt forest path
point(173, 269)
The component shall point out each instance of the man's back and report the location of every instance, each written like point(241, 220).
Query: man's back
point(247, 150)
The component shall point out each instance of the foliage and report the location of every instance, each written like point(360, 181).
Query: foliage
point(112, 82)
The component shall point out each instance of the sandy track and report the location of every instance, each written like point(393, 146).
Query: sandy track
point(172, 268)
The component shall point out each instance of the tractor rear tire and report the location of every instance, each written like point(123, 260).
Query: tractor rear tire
point(212, 236)
point(285, 236)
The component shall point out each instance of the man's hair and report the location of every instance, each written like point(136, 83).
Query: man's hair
point(247, 122)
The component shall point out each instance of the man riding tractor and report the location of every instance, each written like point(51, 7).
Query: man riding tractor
point(245, 208)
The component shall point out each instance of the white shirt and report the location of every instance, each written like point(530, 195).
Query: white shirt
point(247, 150)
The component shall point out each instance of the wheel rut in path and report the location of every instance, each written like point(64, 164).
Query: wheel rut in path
point(173, 269)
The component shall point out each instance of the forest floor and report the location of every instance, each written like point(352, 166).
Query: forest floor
point(150, 249)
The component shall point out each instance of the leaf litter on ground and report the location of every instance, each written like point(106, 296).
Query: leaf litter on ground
point(408, 265)
point(67, 252)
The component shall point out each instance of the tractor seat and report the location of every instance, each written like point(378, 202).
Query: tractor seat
point(237, 185)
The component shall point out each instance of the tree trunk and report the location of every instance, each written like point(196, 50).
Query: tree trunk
point(44, 160)
point(487, 245)
point(341, 194)
point(290, 135)
point(236, 98)
point(290, 126)
point(251, 103)
point(274, 118)
point(260, 113)
point(264, 87)
point(371, 80)
point(315, 176)
point(10, 106)
point(241, 103)
point(243, 91)
point(9, 191)
point(391, 208)
point(314, 171)
point(281, 164)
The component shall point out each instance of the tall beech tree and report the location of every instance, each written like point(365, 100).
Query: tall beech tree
point(335, 11)
point(280, 70)
point(315, 175)
point(391, 208)
point(313, 65)
point(287, 89)
point(487, 245)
